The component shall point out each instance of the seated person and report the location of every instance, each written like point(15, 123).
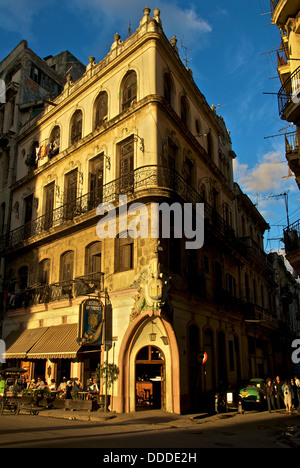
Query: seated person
point(92, 389)
point(52, 387)
point(31, 385)
point(40, 384)
point(77, 385)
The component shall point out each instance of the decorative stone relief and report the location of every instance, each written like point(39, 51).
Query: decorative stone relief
point(153, 286)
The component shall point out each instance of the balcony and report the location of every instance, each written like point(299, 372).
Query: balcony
point(283, 9)
point(50, 220)
point(289, 98)
point(45, 293)
point(292, 245)
point(292, 153)
point(159, 181)
point(255, 252)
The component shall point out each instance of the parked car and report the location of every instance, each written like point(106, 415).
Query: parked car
point(239, 397)
point(252, 393)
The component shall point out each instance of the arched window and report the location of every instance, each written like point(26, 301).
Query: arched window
point(66, 266)
point(54, 142)
point(124, 252)
point(76, 127)
point(32, 158)
point(129, 90)
point(184, 109)
point(23, 277)
point(101, 109)
point(168, 88)
point(93, 258)
point(44, 271)
point(210, 146)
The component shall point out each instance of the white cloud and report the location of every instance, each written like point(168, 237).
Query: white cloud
point(267, 177)
point(175, 19)
point(18, 16)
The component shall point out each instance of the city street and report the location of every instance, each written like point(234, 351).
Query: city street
point(158, 430)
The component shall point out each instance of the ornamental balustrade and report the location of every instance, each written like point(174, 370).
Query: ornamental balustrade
point(144, 178)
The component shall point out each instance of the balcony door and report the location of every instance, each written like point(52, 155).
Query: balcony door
point(70, 194)
point(49, 205)
point(28, 202)
point(126, 166)
point(95, 181)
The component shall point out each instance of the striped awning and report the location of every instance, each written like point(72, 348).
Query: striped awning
point(57, 342)
point(18, 343)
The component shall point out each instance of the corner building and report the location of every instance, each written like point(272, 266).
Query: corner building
point(135, 124)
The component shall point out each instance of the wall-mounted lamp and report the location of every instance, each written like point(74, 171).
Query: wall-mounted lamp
point(152, 335)
point(164, 340)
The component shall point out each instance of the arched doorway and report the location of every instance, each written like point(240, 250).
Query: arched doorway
point(150, 378)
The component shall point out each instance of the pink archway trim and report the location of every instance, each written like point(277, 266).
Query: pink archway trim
point(121, 402)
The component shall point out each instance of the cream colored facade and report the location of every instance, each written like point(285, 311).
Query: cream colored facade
point(156, 140)
point(286, 16)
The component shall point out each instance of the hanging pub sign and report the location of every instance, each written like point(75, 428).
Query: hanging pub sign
point(91, 322)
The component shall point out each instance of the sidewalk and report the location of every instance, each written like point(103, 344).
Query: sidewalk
point(141, 417)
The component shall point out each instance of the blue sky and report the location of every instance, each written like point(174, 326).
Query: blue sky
point(226, 45)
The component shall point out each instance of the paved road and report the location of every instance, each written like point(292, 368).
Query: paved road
point(254, 430)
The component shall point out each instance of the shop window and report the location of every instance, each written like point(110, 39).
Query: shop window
point(129, 90)
point(101, 109)
point(76, 127)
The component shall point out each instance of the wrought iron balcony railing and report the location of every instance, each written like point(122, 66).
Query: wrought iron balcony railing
point(144, 178)
point(291, 143)
point(45, 293)
point(52, 219)
point(292, 237)
point(289, 92)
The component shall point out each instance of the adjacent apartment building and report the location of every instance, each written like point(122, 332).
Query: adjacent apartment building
point(133, 132)
point(286, 16)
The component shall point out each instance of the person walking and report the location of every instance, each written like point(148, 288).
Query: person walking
point(269, 395)
point(278, 391)
point(288, 396)
point(295, 401)
point(297, 382)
